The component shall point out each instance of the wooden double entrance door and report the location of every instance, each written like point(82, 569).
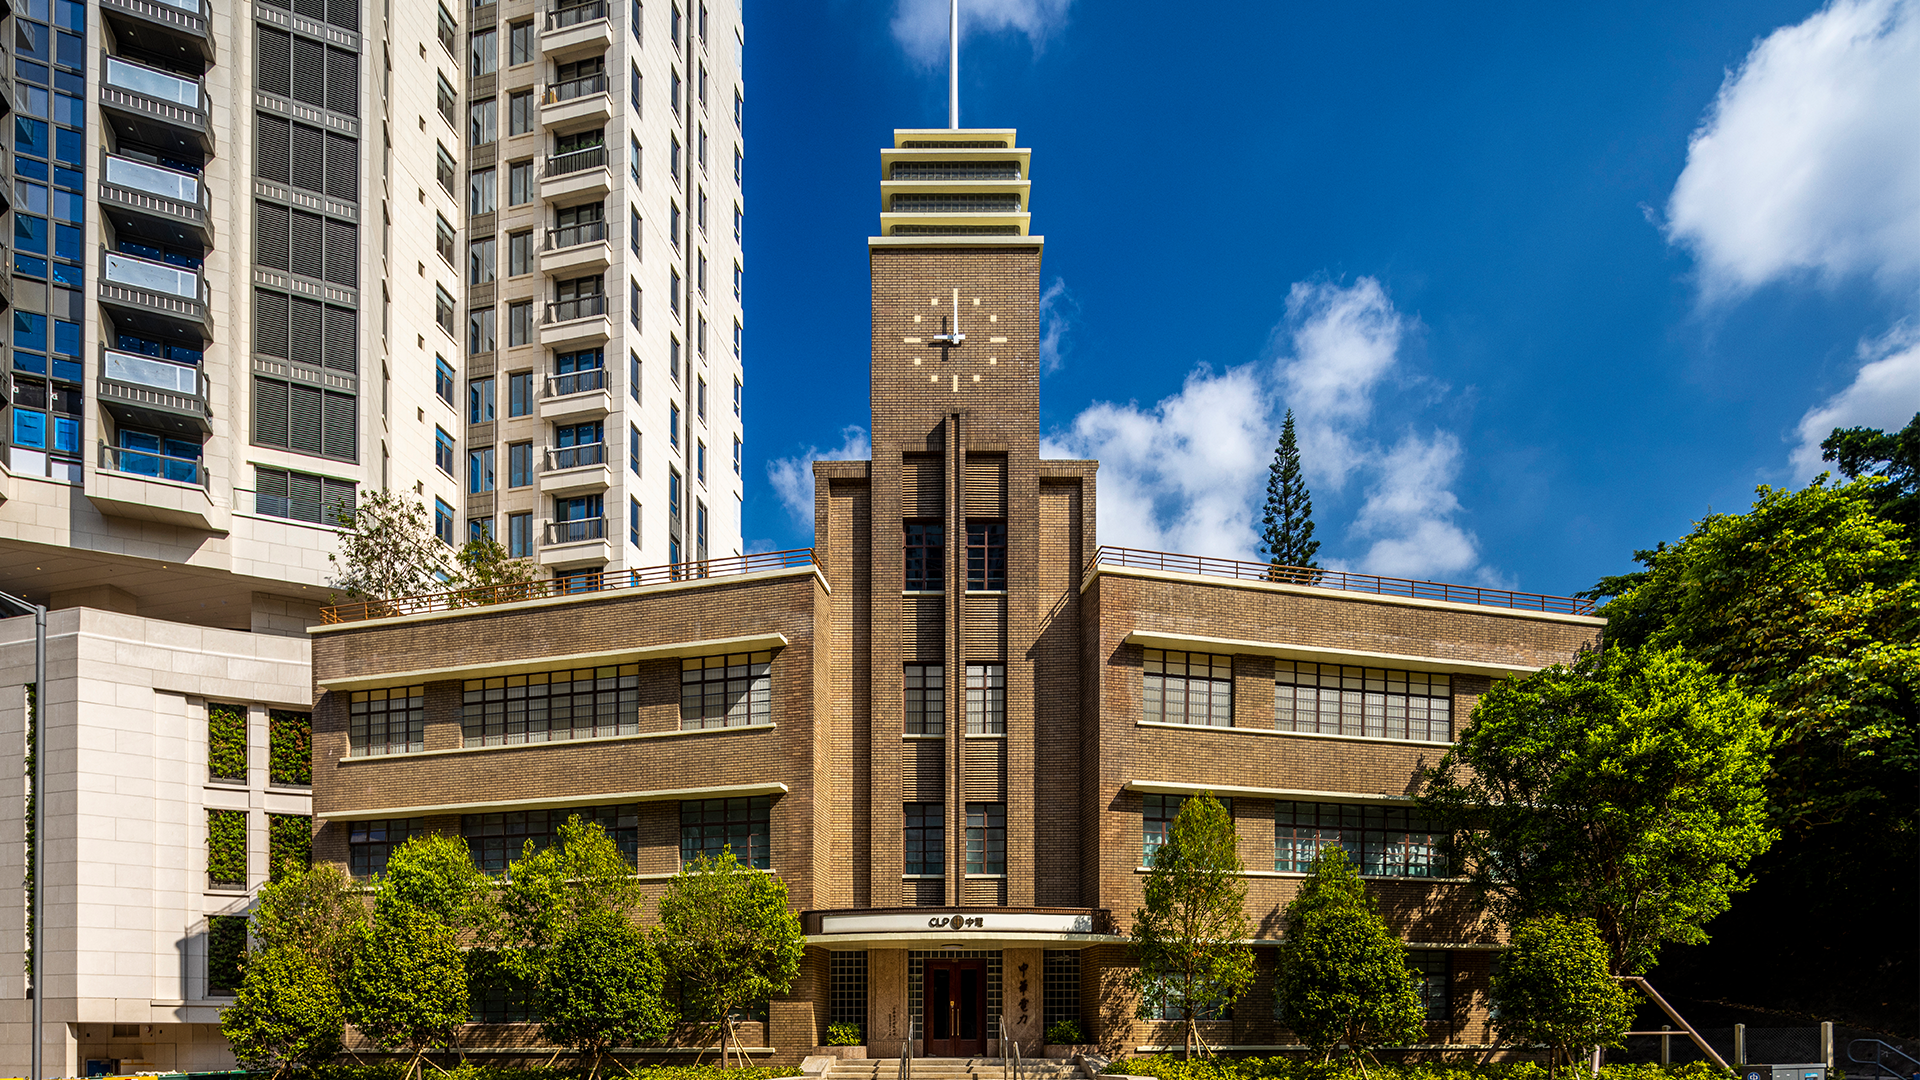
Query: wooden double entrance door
point(954, 999)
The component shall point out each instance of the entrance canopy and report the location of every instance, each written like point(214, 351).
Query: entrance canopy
point(960, 927)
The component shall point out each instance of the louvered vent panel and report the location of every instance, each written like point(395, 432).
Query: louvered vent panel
point(309, 72)
point(312, 9)
point(303, 497)
point(270, 236)
point(984, 892)
point(923, 771)
point(342, 347)
point(307, 247)
point(987, 486)
point(276, 60)
point(343, 167)
point(303, 419)
point(339, 495)
point(309, 152)
point(283, 5)
point(923, 488)
point(923, 637)
point(924, 893)
point(270, 323)
point(305, 335)
point(343, 81)
point(986, 628)
point(338, 435)
point(344, 13)
point(269, 416)
point(343, 259)
point(986, 773)
point(270, 155)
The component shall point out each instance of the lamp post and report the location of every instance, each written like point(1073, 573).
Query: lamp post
point(38, 854)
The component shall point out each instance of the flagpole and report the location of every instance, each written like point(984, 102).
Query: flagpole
point(953, 65)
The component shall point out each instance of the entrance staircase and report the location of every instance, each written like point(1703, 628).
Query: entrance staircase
point(930, 1068)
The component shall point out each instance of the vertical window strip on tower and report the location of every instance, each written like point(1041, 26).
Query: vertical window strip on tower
point(847, 988)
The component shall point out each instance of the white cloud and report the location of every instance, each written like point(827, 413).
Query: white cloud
point(1058, 312)
point(1188, 473)
point(1808, 161)
point(792, 477)
point(1885, 395)
point(920, 26)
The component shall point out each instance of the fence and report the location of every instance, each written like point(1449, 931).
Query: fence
point(1764, 1045)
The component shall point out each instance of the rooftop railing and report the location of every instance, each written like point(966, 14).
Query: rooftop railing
point(601, 582)
point(1141, 559)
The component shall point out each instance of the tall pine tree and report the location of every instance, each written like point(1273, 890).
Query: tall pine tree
point(1286, 528)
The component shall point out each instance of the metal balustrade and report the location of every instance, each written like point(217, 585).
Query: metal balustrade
point(153, 82)
point(563, 458)
point(560, 18)
point(576, 382)
point(148, 463)
point(587, 232)
point(574, 161)
point(577, 531)
point(585, 86)
point(579, 307)
point(153, 179)
point(151, 372)
point(157, 277)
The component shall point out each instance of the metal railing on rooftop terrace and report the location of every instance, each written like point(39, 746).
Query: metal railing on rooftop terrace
point(1141, 559)
point(577, 585)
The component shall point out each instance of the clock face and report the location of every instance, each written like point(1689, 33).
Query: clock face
point(959, 341)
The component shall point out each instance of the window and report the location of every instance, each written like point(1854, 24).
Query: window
point(700, 461)
point(710, 826)
point(673, 158)
point(736, 455)
point(443, 450)
point(736, 338)
point(520, 322)
point(1171, 1004)
point(483, 122)
point(925, 847)
point(703, 24)
point(480, 331)
point(443, 521)
point(480, 471)
point(633, 97)
point(447, 100)
point(673, 25)
point(986, 699)
point(520, 42)
point(673, 291)
point(443, 379)
point(1060, 987)
point(673, 231)
point(519, 464)
point(726, 691)
point(299, 496)
point(736, 221)
point(926, 556)
point(1385, 841)
point(736, 395)
point(701, 146)
point(633, 157)
point(449, 32)
point(486, 51)
point(987, 839)
point(700, 333)
point(700, 397)
point(495, 840)
point(673, 425)
point(737, 165)
point(633, 521)
point(1156, 821)
point(700, 531)
point(480, 400)
point(673, 93)
point(847, 988)
point(443, 238)
point(519, 183)
point(520, 535)
point(481, 185)
point(633, 302)
point(371, 843)
point(392, 721)
point(483, 260)
point(1431, 969)
point(551, 706)
point(443, 168)
point(519, 112)
point(633, 375)
point(986, 556)
point(700, 271)
point(1186, 688)
point(739, 109)
point(926, 699)
point(736, 296)
point(635, 20)
point(519, 253)
point(633, 449)
point(673, 356)
point(633, 230)
point(479, 528)
point(520, 393)
point(1329, 699)
point(701, 83)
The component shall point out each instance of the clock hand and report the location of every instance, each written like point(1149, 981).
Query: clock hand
point(953, 336)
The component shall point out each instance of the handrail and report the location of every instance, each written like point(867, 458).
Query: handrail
point(1143, 559)
point(1881, 1049)
point(604, 581)
point(906, 1053)
point(1009, 1062)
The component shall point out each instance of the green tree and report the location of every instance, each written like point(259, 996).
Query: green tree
point(1286, 526)
point(484, 564)
point(1626, 788)
point(1863, 451)
point(317, 912)
point(727, 935)
point(388, 550)
point(1553, 988)
point(408, 985)
point(435, 874)
point(550, 890)
point(287, 1013)
point(1342, 977)
point(603, 988)
point(1186, 938)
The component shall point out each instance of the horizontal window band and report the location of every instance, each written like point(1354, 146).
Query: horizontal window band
point(610, 798)
point(1181, 787)
point(1288, 734)
point(463, 672)
point(1346, 657)
point(415, 755)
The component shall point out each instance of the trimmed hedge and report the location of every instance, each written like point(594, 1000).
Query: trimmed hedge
point(467, 1070)
point(1287, 1068)
point(227, 847)
point(227, 741)
point(289, 747)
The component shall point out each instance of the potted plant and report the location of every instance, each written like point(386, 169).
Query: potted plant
point(1065, 1041)
point(844, 1041)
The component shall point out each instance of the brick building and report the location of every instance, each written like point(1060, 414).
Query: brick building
point(956, 727)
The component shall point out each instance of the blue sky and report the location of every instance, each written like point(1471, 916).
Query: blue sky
point(1544, 283)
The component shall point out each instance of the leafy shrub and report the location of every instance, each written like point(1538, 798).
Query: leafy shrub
point(227, 742)
point(1064, 1033)
point(1171, 1067)
point(227, 847)
point(289, 747)
point(844, 1035)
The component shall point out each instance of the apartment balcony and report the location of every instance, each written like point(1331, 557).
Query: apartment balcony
point(143, 289)
point(576, 250)
point(154, 107)
point(144, 486)
point(576, 470)
point(580, 542)
point(577, 175)
point(580, 321)
point(576, 104)
point(182, 27)
point(576, 30)
point(579, 395)
point(174, 199)
point(155, 394)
